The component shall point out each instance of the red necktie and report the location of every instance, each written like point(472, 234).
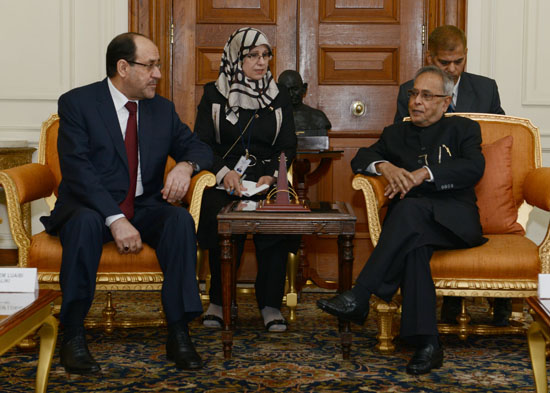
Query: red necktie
point(131, 142)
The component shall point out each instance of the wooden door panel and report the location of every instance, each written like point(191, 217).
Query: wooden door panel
point(357, 11)
point(236, 11)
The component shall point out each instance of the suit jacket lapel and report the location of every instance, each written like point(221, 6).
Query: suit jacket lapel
point(106, 109)
point(464, 102)
point(145, 126)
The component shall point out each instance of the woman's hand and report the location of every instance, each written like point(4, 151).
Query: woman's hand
point(232, 183)
point(269, 180)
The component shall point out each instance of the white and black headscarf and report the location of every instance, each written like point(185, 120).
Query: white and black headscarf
point(240, 91)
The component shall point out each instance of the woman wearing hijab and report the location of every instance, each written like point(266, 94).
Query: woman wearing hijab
point(247, 120)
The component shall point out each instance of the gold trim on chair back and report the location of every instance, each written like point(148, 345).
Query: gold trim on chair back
point(47, 153)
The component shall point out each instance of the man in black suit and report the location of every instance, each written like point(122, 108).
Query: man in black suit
point(471, 93)
point(432, 164)
point(114, 139)
point(447, 50)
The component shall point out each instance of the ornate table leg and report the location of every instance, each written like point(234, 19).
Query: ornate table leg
point(537, 351)
point(345, 265)
point(48, 337)
point(226, 262)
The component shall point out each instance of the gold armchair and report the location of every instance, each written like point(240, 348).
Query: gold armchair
point(508, 264)
point(31, 182)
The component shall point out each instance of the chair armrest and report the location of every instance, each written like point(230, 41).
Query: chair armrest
point(536, 188)
point(373, 191)
point(193, 198)
point(24, 184)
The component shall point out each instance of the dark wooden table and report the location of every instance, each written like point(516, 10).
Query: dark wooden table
point(325, 218)
point(537, 335)
point(17, 326)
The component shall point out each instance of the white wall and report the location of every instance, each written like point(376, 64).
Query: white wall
point(508, 41)
point(49, 47)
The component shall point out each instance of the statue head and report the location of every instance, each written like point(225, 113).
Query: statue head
point(296, 87)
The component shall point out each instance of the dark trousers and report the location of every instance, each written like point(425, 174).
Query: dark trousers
point(168, 229)
point(271, 255)
point(402, 259)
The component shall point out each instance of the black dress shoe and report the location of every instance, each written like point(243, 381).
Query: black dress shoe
point(76, 357)
point(347, 307)
point(451, 307)
point(502, 310)
point(424, 359)
point(180, 349)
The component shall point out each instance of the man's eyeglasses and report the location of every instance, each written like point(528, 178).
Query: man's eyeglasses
point(148, 66)
point(255, 56)
point(425, 95)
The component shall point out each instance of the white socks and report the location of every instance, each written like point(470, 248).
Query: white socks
point(213, 317)
point(273, 319)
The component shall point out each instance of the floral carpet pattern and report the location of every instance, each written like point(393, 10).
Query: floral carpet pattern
point(306, 358)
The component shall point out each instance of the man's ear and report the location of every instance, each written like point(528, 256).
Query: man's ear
point(304, 88)
point(429, 58)
point(122, 67)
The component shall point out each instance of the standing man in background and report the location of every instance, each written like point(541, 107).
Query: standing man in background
point(447, 50)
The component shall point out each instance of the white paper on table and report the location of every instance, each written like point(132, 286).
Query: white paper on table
point(250, 186)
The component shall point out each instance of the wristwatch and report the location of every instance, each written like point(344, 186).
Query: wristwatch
point(194, 165)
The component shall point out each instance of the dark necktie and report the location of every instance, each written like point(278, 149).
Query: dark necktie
point(131, 142)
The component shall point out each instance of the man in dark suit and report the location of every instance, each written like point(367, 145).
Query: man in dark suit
point(432, 164)
point(114, 139)
point(471, 93)
point(447, 50)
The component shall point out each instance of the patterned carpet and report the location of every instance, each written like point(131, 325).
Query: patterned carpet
point(306, 358)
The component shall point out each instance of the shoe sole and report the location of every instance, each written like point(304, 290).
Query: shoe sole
point(69, 370)
point(334, 313)
point(182, 366)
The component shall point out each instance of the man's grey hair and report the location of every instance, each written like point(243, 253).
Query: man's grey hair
point(448, 83)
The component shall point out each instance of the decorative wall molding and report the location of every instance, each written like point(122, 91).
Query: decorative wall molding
point(536, 53)
point(29, 133)
point(62, 71)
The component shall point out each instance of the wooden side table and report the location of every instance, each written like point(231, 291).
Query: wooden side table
point(537, 335)
point(324, 219)
point(16, 327)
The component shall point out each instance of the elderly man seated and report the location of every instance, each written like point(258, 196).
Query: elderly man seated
point(432, 164)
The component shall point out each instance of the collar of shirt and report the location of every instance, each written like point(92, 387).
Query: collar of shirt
point(455, 92)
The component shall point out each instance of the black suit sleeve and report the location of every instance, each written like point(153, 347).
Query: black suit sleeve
point(495, 102)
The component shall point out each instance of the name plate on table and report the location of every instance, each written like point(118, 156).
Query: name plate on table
point(11, 302)
point(18, 279)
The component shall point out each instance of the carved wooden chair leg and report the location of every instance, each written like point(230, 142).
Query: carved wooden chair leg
point(292, 295)
point(385, 313)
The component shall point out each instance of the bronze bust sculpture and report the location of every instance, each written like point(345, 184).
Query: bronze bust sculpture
point(308, 121)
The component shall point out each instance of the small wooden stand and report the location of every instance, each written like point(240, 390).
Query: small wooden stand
point(282, 193)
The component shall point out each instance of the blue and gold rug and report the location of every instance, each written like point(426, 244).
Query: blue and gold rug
point(306, 358)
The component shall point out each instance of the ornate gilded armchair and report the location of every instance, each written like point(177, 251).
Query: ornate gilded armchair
point(508, 264)
point(31, 182)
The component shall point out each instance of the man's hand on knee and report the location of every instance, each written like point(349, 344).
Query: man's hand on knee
point(400, 181)
point(127, 237)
